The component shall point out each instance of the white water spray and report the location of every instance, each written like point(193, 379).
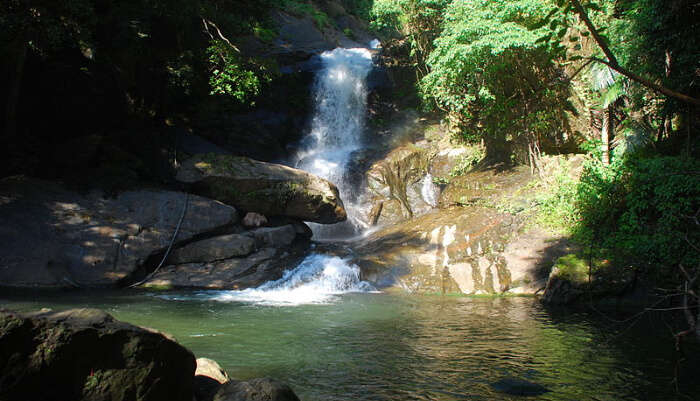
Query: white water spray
point(337, 127)
point(429, 191)
point(317, 279)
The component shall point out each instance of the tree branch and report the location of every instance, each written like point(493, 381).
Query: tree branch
point(208, 23)
point(615, 65)
point(645, 82)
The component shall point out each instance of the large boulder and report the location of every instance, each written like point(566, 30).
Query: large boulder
point(54, 237)
point(85, 354)
point(265, 188)
point(264, 389)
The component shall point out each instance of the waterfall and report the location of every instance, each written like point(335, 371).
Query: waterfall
point(337, 127)
point(317, 279)
point(429, 191)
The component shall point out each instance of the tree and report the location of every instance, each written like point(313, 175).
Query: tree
point(495, 78)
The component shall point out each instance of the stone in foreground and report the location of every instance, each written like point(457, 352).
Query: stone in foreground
point(85, 354)
point(210, 368)
point(265, 188)
point(208, 378)
point(264, 389)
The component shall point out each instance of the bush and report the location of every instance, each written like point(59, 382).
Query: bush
point(644, 209)
point(557, 206)
point(231, 76)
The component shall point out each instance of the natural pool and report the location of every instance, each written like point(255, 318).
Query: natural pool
point(377, 346)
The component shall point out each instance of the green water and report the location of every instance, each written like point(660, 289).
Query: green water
point(390, 347)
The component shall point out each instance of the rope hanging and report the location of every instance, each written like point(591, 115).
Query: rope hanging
point(170, 246)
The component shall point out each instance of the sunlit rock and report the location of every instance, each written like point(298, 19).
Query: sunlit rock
point(265, 188)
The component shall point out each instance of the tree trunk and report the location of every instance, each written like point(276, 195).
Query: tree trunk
point(607, 133)
point(15, 85)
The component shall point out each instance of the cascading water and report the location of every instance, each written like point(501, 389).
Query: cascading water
point(429, 191)
point(337, 127)
point(317, 279)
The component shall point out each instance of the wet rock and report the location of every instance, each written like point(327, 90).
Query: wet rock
point(265, 188)
point(519, 387)
point(396, 177)
point(252, 219)
point(231, 274)
point(456, 250)
point(375, 212)
point(85, 354)
point(213, 249)
point(264, 389)
point(302, 230)
point(53, 237)
point(273, 237)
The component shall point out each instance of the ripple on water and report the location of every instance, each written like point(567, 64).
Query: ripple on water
point(369, 346)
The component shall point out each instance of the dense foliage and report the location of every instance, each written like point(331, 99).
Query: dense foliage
point(643, 209)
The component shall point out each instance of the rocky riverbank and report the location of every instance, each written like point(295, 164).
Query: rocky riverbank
point(447, 222)
point(51, 236)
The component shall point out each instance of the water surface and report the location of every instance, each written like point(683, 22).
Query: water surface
point(375, 346)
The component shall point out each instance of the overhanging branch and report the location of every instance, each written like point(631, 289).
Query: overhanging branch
point(615, 65)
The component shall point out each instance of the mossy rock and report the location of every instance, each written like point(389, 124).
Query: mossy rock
point(265, 188)
point(572, 268)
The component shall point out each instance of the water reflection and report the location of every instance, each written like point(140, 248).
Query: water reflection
point(387, 347)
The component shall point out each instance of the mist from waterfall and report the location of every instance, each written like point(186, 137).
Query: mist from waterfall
point(337, 129)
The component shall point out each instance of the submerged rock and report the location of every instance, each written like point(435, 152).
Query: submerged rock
point(54, 237)
point(264, 188)
point(519, 387)
point(264, 389)
point(85, 354)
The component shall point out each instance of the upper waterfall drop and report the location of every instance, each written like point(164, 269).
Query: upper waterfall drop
point(337, 129)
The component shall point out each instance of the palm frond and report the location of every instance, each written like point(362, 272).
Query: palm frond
point(634, 134)
point(601, 76)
